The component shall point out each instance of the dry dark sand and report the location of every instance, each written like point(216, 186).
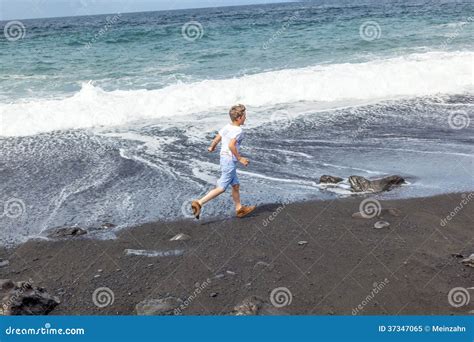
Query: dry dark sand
point(332, 274)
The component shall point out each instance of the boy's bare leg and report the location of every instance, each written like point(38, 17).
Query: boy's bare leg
point(236, 196)
point(211, 195)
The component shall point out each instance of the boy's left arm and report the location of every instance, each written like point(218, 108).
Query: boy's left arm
point(214, 143)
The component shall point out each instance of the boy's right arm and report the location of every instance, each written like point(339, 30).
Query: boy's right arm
point(214, 143)
point(235, 152)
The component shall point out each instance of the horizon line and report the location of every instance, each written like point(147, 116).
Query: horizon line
point(150, 11)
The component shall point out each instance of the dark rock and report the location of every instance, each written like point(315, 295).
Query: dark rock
point(159, 306)
point(22, 298)
point(330, 179)
point(253, 306)
point(67, 231)
point(6, 284)
point(361, 184)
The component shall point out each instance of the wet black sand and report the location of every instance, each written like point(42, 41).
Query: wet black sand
point(417, 259)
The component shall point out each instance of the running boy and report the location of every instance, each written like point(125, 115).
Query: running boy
point(231, 137)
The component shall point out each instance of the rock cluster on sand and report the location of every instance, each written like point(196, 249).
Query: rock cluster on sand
point(330, 179)
point(66, 231)
point(22, 298)
point(361, 184)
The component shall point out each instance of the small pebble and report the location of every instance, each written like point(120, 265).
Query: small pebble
point(97, 276)
point(302, 243)
point(107, 225)
point(180, 237)
point(213, 294)
point(381, 224)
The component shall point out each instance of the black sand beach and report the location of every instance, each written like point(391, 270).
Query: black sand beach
point(329, 261)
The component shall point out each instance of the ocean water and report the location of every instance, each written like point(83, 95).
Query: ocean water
point(108, 118)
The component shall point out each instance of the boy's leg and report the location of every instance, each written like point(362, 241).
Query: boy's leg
point(211, 195)
point(236, 196)
point(196, 205)
point(241, 210)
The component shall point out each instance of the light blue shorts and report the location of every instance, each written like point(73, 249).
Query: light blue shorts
point(228, 173)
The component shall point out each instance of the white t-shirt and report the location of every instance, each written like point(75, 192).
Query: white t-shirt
point(227, 133)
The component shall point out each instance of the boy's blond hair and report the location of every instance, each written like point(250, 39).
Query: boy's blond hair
point(237, 111)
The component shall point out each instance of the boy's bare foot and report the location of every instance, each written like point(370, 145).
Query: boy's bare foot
point(196, 209)
point(244, 211)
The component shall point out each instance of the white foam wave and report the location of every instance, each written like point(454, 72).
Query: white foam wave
point(413, 75)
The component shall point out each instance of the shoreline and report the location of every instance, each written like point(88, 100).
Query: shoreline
point(330, 262)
